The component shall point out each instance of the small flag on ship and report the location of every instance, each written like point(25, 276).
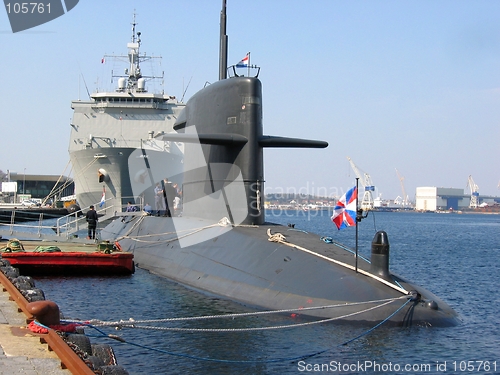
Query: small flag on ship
point(103, 198)
point(245, 62)
point(344, 214)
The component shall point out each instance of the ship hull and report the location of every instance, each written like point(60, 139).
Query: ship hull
point(118, 185)
point(242, 265)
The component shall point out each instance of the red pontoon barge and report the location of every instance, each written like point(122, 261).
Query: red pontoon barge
point(67, 261)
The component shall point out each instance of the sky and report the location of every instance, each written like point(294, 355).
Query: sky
point(406, 85)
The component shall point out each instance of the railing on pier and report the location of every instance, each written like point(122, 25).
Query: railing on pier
point(39, 227)
point(66, 226)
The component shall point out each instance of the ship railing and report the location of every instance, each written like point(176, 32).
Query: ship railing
point(135, 104)
point(67, 225)
point(70, 224)
point(138, 203)
point(14, 229)
point(153, 144)
point(76, 221)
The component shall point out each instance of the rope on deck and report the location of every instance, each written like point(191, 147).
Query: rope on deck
point(281, 239)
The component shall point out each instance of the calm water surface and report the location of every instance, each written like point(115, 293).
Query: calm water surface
point(457, 257)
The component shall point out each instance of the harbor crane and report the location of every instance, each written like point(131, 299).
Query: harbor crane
point(366, 181)
point(406, 200)
point(474, 195)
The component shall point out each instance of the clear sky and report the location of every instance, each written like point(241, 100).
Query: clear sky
point(412, 85)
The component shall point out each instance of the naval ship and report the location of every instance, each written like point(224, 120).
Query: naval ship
point(222, 244)
point(108, 128)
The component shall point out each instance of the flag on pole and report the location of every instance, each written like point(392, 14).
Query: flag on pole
point(344, 214)
point(103, 198)
point(244, 61)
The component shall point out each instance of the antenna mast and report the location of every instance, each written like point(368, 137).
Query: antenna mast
point(223, 43)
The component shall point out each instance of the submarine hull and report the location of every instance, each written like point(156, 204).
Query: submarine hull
point(223, 246)
point(302, 272)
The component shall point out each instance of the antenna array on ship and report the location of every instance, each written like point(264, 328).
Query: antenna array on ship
point(224, 70)
point(136, 81)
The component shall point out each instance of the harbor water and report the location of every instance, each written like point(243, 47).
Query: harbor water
point(457, 257)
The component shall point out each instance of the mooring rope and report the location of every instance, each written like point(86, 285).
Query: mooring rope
point(131, 323)
point(280, 238)
point(140, 220)
point(223, 330)
point(254, 361)
point(224, 222)
point(61, 188)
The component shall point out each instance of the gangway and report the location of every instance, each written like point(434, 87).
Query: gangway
point(66, 226)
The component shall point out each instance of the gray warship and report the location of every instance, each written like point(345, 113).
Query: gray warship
point(107, 128)
point(222, 244)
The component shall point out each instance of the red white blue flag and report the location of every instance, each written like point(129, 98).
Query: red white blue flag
point(103, 198)
point(244, 61)
point(344, 214)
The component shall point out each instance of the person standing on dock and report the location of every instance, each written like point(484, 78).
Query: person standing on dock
point(92, 219)
point(158, 199)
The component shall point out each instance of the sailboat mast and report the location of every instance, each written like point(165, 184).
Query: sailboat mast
point(223, 43)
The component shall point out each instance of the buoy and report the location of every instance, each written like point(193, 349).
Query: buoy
point(117, 245)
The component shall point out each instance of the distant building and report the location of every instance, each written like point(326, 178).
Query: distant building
point(439, 198)
point(25, 186)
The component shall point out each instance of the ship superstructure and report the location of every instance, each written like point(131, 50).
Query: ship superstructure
point(108, 128)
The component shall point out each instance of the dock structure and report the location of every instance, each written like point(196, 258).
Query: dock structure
point(22, 349)
point(76, 254)
point(71, 228)
point(49, 258)
point(21, 354)
point(24, 353)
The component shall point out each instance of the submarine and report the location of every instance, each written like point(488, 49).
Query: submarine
point(222, 244)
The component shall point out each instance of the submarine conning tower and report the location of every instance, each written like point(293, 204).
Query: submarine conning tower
point(380, 255)
point(227, 118)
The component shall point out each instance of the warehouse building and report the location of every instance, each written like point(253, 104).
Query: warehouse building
point(19, 187)
point(439, 198)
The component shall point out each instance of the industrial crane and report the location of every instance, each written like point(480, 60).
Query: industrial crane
point(474, 195)
point(366, 181)
point(406, 201)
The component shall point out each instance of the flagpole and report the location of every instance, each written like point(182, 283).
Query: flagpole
point(356, 260)
point(248, 74)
